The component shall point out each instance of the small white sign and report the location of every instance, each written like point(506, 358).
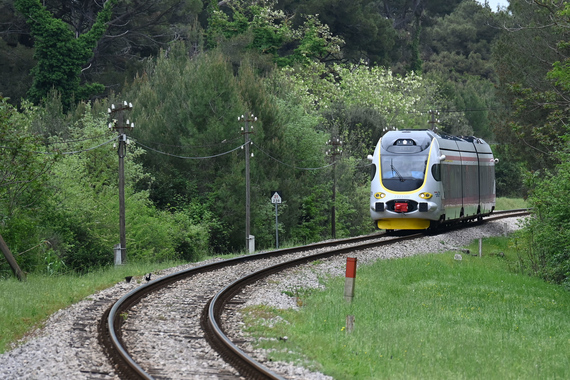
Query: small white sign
point(276, 198)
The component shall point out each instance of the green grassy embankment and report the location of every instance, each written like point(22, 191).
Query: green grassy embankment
point(429, 317)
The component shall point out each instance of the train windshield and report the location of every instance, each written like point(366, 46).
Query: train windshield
point(403, 173)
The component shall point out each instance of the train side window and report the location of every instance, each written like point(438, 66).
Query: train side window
point(373, 171)
point(436, 172)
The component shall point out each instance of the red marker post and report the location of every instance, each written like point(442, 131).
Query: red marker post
point(350, 277)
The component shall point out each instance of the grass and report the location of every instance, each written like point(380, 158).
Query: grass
point(26, 305)
point(429, 317)
point(510, 203)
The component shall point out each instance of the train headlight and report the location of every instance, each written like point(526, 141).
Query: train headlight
point(426, 195)
point(379, 195)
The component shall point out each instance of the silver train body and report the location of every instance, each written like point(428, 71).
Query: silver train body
point(421, 179)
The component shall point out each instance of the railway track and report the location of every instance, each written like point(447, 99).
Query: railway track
point(192, 303)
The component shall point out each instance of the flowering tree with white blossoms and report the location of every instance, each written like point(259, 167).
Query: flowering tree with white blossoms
point(359, 103)
point(272, 33)
point(404, 102)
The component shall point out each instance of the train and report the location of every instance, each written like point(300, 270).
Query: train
point(422, 180)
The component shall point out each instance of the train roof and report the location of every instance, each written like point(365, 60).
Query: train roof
point(407, 140)
point(417, 140)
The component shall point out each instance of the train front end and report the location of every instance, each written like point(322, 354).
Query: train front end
point(406, 188)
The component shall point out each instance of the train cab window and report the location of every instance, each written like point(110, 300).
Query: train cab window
point(403, 173)
point(436, 172)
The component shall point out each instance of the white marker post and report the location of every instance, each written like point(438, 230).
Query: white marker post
point(276, 199)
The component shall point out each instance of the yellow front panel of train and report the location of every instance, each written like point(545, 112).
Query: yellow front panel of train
point(403, 224)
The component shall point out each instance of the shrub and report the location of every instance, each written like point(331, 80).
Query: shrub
point(544, 239)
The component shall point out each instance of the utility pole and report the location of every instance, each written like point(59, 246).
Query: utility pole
point(117, 123)
point(433, 121)
point(246, 130)
point(334, 151)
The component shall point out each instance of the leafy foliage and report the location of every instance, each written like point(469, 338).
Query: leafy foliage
point(24, 176)
point(539, 128)
point(73, 222)
point(561, 69)
point(524, 55)
point(402, 102)
point(194, 159)
point(60, 54)
point(368, 34)
point(272, 33)
point(23, 172)
point(460, 43)
point(509, 174)
point(544, 240)
point(288, 64)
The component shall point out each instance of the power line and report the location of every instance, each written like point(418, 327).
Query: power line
point(199, 146)
point(286, 164)
point(185, 157)
point(182, 157)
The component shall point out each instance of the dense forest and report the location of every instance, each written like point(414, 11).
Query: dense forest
point(304, 73)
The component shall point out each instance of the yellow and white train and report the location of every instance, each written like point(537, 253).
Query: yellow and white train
point(422, 180)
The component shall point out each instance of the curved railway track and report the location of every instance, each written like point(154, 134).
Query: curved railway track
point(197, 308)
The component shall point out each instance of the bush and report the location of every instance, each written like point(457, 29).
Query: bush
point(544, 240)
point(73, 223)
point(508, 174)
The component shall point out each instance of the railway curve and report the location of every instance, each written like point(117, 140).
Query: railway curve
point(211, 307)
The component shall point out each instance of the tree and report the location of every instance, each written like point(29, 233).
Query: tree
point(189, 108)
point(67, 218)
point(544, 238)
point(15, 64)
point(526, 52)
point(561, 68)
point(24, 175)
point(368, 34)
point(270, 32)
point(402, 101)
point(23, 171)
point(82, 216)
point(460, 43)
point(535, 82)
point(60, 53)
point(136, 31)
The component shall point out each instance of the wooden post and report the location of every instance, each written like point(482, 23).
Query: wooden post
point(11, 260)
point(349, 323)
point(480, 246)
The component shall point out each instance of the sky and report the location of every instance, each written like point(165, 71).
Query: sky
point(493, 3)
